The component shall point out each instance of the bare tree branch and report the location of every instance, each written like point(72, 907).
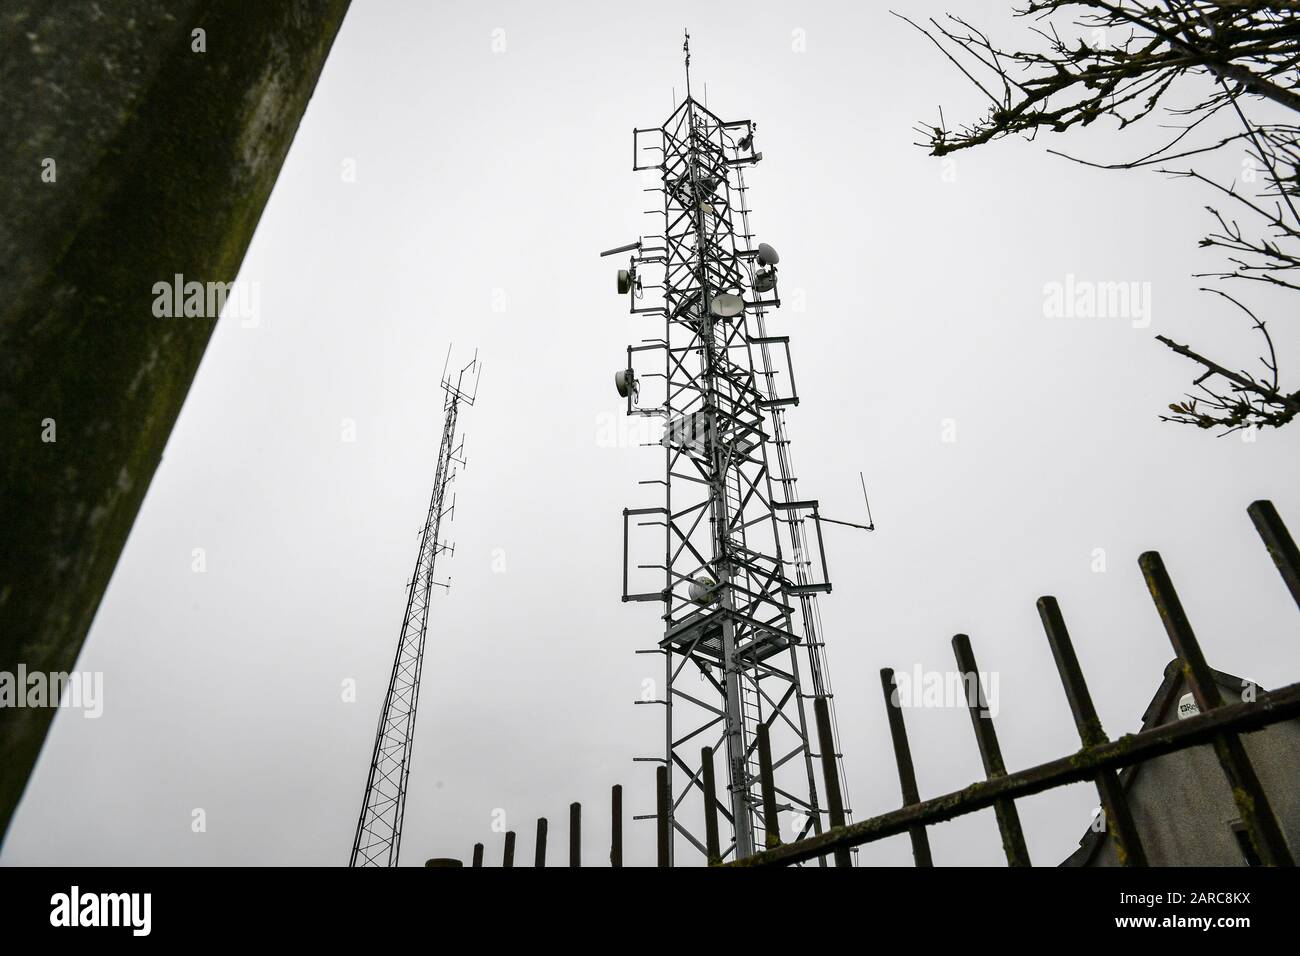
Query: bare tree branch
point(1121, 60)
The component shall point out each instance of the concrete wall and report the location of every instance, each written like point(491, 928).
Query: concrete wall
point(164, 157)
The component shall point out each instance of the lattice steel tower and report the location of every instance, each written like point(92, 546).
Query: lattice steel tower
point(379, 828)
point(743, 557)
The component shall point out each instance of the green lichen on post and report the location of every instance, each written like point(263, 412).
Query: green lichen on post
point(166, 156)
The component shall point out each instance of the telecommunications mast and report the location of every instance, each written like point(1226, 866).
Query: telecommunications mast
point(742, 556)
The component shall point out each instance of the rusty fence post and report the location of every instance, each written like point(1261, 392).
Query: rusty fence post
point(1013, 839)
point(662, 825)
point(616, 826)
point(1279, 543)
point(713, 850)
point(1256, 813)
point(575, 834)
point(834, 799)
point(540, 858)
point(906, 773)
point(1114, 803)
point(771, 817)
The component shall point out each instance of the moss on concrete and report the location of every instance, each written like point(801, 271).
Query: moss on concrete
point(165, 158)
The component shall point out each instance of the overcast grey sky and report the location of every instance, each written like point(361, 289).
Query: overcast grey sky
point(486, 182)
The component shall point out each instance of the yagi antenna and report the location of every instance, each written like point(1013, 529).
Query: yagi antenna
point(474, 367)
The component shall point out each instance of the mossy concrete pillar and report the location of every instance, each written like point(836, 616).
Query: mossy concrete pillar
point(139, 141)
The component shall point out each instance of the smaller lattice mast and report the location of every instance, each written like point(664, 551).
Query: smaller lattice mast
point(379, 828)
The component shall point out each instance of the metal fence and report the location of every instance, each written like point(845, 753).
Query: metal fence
point(1099, 759)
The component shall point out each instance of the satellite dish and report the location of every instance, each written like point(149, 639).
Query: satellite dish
point(703, 590)
point(626, 383)
point(624, 282)
point(747, 141)
point(727, 305)
point(767, 255)
point(765, 280)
